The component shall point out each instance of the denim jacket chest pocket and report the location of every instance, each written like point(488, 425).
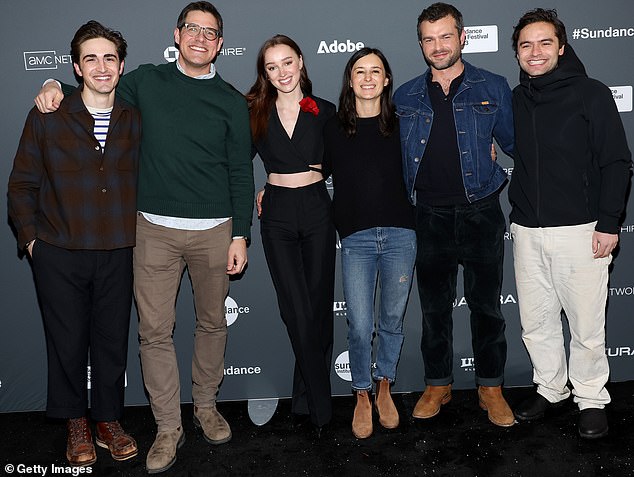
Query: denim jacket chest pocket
point(484, 115)
point(414, 126)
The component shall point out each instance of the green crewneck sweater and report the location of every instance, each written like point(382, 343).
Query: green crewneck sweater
point(195, 147)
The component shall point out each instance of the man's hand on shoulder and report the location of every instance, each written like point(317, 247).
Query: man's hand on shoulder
point(603, 244)
point(49, 98)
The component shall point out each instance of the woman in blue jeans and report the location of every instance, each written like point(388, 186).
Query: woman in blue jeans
point(375, 222)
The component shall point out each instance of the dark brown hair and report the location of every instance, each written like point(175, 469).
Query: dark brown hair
point(540, 15)
point(200, 7)
point(347, 101)
point(94, 29)
point(438, 11)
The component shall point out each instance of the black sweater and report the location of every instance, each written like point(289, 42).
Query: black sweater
point(572, 162)
point(367, 174)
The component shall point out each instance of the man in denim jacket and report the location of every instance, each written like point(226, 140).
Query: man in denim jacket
point(448, 119)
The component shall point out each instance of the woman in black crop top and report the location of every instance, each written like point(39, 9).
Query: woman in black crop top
point(376, 225)
point(296, 224)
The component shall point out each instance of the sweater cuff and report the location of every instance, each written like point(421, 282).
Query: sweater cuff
point(241, 228)
point(608, 225)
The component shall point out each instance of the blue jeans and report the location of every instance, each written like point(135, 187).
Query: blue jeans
point(386, 253)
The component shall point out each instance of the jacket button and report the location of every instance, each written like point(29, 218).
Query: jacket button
point(422, 141)
point(97, 148)
point(416, 159)
point(427, 120)
point(101, 168)
point(103, 190)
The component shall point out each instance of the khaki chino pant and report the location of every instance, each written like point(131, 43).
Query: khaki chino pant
point(554, 270)
point(160, 257)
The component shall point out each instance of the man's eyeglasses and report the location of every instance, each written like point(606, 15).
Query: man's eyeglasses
point(193, 30)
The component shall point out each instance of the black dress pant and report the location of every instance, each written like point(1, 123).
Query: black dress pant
point(298, 235)
point(85, 297)
point(471, 235)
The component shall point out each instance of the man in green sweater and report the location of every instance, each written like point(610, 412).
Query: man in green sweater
point(195, 200)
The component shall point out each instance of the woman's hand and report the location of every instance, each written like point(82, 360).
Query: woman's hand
point(258, 202)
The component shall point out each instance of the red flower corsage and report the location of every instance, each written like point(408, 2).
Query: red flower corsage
point(308, 105)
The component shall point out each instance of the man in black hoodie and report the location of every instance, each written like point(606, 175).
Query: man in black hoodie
point(572, 168)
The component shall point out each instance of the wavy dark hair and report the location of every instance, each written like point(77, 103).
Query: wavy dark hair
point(262, 94)
point(347, 102)
point(94, 29)
point(438, 11)
point(540, 15)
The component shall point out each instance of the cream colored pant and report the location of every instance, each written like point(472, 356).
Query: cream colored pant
point(554, 270)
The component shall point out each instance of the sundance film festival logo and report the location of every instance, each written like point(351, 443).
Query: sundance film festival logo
point(481, 39)
point(338, 46)
point(242, 370)
point(622, 97)
point(233, 310)
point(44, 60)
point(342, 366)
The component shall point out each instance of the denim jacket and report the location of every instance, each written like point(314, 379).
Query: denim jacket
point(482, 111)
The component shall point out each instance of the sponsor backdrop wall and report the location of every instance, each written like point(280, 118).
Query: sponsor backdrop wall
point(259, 362)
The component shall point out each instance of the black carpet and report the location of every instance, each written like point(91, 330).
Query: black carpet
point(460, 441)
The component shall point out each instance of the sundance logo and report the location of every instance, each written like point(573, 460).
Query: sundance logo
point(44, 60)
point(232, 310)
point(337, 46)
point(622, 97)
point(481, 39)
point(342, 366)
point(242, 370)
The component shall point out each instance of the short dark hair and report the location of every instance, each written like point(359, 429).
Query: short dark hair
point(200, 7)
point(94, 29)
point(540, 15)
point(437, 11)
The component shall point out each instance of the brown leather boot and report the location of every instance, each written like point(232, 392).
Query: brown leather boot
point(111, 436)
point(429, 403)
point(492, 401)
point(388, 415)
point(80, 451)
point(362, 418)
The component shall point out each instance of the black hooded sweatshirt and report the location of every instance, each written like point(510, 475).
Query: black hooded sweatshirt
point(572, 163)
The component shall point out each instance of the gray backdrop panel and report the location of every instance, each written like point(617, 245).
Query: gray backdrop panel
point(259, 361)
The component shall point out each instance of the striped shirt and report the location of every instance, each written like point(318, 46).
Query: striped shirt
point(102, 122)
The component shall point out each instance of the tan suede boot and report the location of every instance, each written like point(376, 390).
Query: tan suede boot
point(492, 401)
point(429, 403)
point(362, 418)
point(388, 415)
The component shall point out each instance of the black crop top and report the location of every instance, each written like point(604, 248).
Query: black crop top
point(284, 155)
